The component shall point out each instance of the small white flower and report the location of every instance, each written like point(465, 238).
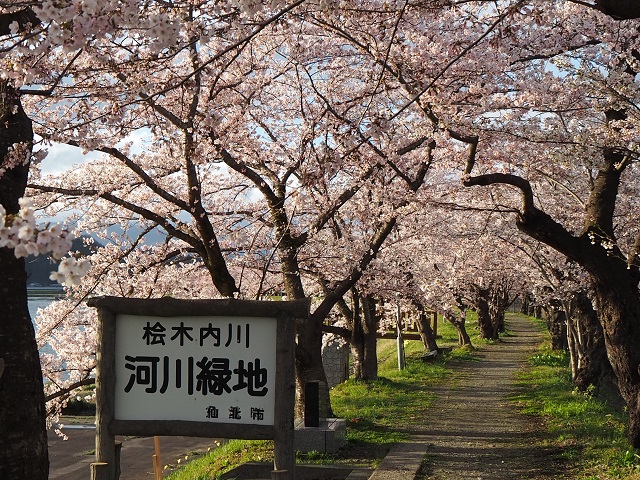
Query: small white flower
point(4, 236)
point(44, 237)
point(55, 230)
point(32, 248)
point(57, 277)
point(26, 232)
point(66, 265)
point(20, 251)
point(25, 202)
point(14, 27)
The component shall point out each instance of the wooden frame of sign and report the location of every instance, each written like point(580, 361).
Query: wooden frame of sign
point(113, 310)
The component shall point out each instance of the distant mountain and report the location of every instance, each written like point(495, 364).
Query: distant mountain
point(39, 268)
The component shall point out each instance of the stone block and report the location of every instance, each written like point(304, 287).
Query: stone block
point(327, 438)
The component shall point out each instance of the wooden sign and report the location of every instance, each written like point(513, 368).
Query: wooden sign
point(209, 368)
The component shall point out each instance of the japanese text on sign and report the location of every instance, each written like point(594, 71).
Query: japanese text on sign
point(202, 366)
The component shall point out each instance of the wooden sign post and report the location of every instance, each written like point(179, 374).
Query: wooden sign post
point(206, 368)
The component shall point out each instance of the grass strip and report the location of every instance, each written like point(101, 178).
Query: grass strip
point(589, 427)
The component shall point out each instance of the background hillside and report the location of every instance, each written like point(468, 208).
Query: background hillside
point(39, 268)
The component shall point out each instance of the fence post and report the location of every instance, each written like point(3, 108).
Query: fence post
point(400, 340)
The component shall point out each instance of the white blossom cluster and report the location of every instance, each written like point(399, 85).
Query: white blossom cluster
point(21, 233)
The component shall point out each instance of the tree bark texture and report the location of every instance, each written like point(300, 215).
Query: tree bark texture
point(426, 332)
point(556, 320)
point(592, 363)
point(23, 435)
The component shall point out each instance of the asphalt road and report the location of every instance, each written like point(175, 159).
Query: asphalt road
point(70, 459)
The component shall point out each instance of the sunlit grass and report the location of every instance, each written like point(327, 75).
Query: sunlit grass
point(591, 433)
point(217, 462)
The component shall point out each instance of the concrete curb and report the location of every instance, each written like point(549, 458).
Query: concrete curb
point(403, 460)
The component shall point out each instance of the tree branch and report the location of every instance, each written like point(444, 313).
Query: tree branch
point(143, 212)
point(70, 388)
point(148, 181)
point(505, 179)
point(357, 271)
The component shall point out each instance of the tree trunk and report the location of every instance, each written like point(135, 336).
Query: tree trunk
point(23, 434)
point(525, 306)
point(593, 364)
point(370, 342)
point(458, 321)
point(619, 314)
point(363, 341)
point(426, 332)
point(498, 303)
point(488, 329)
point(356, 342)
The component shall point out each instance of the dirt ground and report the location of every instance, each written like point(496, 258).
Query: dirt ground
point(474, 433)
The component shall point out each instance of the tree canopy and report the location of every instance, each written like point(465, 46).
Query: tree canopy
point(427, 151)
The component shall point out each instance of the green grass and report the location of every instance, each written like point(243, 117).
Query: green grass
point(217, 462)
point(378, 413)
point(588, 429)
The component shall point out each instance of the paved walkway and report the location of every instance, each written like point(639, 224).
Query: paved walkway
point(70, 459)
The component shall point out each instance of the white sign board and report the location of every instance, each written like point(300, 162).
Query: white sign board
point(196, 368)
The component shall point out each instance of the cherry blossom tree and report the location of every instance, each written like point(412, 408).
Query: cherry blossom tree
point(607, 152)
point(565, 299)
point(494, 91)
point(41, 42)
point(507, 82)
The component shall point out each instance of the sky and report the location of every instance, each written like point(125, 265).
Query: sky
point(62, 157)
